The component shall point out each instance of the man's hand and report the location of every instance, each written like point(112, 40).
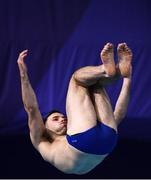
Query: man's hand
point(21, 64)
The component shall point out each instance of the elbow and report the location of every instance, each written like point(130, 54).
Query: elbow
point(31, 109)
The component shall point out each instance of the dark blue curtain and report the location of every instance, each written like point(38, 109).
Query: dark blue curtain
point(62, 36)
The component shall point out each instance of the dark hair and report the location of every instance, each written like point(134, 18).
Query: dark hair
point(51, 112)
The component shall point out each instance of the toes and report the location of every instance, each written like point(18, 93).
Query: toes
point(122, 47)
point(108, 46)
point(124, 50)
point(128, 50)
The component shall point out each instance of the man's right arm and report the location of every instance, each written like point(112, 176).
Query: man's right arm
point(37, 129)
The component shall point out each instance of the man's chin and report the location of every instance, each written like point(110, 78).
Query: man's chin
point(62, 131)
point(65, 130)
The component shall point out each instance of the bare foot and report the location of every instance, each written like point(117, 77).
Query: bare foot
point(124, 58)
point(107, 56)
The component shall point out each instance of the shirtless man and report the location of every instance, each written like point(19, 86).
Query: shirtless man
point(80, 143)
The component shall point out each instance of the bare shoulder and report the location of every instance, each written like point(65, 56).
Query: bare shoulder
point(46, 149)
point(50, 150)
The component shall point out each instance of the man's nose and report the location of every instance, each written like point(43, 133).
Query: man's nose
point(62, 119)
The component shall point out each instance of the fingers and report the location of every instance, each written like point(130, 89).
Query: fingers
point(22, 56)
point(20, 61)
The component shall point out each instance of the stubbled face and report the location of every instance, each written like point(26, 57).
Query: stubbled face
point(57, 123)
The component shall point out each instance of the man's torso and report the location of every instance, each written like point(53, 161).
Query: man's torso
point(70, 160)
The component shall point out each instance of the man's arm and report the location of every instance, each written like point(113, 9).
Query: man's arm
point(123, 100)
point(35, 122)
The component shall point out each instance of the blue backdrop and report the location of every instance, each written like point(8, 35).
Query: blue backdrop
point(62, 36)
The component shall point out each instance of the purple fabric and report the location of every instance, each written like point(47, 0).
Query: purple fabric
point(62, 36)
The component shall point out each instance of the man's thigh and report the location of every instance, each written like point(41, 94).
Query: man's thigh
point(80, 110)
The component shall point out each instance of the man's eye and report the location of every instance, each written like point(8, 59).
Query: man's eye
point(55, 119)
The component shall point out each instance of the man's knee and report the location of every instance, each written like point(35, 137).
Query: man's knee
point(79, 79)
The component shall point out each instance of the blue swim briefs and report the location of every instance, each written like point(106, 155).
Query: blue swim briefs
point(98, 140)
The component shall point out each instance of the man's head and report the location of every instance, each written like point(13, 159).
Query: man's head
point(56, 122)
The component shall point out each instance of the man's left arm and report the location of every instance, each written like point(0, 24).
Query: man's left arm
point(123, 100)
